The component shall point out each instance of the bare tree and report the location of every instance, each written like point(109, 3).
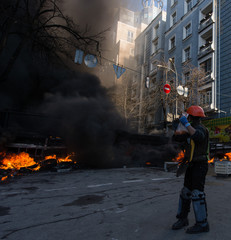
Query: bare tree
point(196, 78)
point(155, 101)
point(41, 25)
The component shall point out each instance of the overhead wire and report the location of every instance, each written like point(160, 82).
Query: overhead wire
point(122, 65)
point(225, 95)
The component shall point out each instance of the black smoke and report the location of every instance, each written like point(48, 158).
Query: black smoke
point(46, 97)
point(80, 112)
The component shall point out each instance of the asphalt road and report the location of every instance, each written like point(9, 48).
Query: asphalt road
point(115, 204)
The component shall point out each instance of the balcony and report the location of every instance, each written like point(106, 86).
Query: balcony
point(207, 108)
point(205, 22)
point(205, 49)
point(155, 38)
point(208, 78)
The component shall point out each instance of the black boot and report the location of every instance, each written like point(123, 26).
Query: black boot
point(200, 211)
point(180, 223)
point(198, 228)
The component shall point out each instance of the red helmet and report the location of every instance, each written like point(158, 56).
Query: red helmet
point(196, 111)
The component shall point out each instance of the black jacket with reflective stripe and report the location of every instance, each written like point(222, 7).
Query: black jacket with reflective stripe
point(195, 146)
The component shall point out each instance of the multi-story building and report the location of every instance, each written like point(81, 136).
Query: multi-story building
point(120, 42)
point(190, 42)
point(196, 36)
point(120, 51)
point(149, 51)
point(128, 25)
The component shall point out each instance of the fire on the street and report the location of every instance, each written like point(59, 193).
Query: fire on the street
point(59, 160)
point(18, 161)
point(179, 158)
point(225, 157)
point(14, 162)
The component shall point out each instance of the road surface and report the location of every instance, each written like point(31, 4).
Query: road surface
point(110, 204)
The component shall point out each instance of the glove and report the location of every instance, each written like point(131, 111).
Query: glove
point(184, 121)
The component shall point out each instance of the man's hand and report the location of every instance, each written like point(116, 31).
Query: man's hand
point(184, 121)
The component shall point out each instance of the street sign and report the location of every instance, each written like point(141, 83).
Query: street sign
point(167, 88)
point(118, 70)
point(147, 82)
point(185, 92)
point(79, 56)
point(180, 90)
point(90, 60)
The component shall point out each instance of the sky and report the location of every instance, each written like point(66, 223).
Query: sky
point(136, 5)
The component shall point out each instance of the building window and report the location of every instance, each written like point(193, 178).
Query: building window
point(155, 31)
point(206, 98)
point(188, 6)
point(173, 2)
point(172, 63)
point(187, 30)
point(172, 43)
point(186, 54)
point(130, 36)
point(155, 46)
point(207, 65)
point(173, 19)
point(186, 77)
point(209, 97)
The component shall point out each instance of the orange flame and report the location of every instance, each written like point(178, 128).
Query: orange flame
point(17, 161)
point(66, 159)
point(4, 178)
point(179, 157)
point(14, 161)
point(59, 160)
point(226, 156)
point(50, 157)
point(211, 160)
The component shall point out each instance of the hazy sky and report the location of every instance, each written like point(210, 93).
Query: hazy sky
point(137, 4)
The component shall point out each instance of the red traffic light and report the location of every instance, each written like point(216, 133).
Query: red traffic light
point(167, 88)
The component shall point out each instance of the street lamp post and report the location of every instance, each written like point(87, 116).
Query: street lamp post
point(175, 72)
point(177, 81)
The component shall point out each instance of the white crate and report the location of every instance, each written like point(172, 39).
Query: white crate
point(223, 167)
point(169, 163)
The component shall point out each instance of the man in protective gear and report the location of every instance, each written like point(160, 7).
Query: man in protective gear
point(196, 145)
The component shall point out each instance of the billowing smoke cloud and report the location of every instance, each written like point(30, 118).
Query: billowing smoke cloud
point(81, 113)
point(75, 105)
point(95, 14)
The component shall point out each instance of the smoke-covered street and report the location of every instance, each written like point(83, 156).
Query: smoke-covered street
point(123, 204)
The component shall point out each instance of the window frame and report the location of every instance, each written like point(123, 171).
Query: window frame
point(130, 36)
point(186, 6)
point(186, 77)
point(185, 35)
point(156, 31)
point(173, 20)
point(170, 47)
point(155, 45)
point(184, 54)
point(173, 2)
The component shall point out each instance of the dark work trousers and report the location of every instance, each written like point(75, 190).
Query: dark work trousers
point(195, 176)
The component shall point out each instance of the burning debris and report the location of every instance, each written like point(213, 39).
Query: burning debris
point(12, 164)
point(221, 157)
point(180, 156)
